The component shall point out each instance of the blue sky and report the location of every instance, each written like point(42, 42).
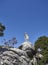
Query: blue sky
point(21, 16)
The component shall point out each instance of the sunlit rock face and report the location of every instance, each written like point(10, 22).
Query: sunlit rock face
point(14, 56)
point(17, 56)
point(28, 47)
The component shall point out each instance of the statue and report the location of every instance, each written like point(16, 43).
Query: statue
point(26, 36)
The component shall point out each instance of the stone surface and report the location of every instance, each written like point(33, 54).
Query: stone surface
point(14, 56)
point(18, 56)
point(28, 47)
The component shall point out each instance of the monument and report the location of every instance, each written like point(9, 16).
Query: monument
point(26, 36)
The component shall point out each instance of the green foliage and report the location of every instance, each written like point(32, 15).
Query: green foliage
point(42, 43)
point(1, 34)
point(2, 28)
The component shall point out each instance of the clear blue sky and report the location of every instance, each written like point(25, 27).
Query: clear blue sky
point(21, 16)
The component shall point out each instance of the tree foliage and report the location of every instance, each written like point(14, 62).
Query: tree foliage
point(42, 43)
point(11, 42)
point(2, 28)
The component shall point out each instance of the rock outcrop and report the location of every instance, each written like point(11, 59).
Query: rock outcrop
point(16, 56)
point(23, 55)
point(28, 48)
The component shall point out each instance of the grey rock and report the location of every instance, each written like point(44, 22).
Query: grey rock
point(26, 45)
point(28, 48)
point(14, 56)
point(23, 55)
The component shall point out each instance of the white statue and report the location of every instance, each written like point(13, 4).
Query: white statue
point(26, 36)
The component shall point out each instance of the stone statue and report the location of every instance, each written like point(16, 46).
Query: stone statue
point(26, 36)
